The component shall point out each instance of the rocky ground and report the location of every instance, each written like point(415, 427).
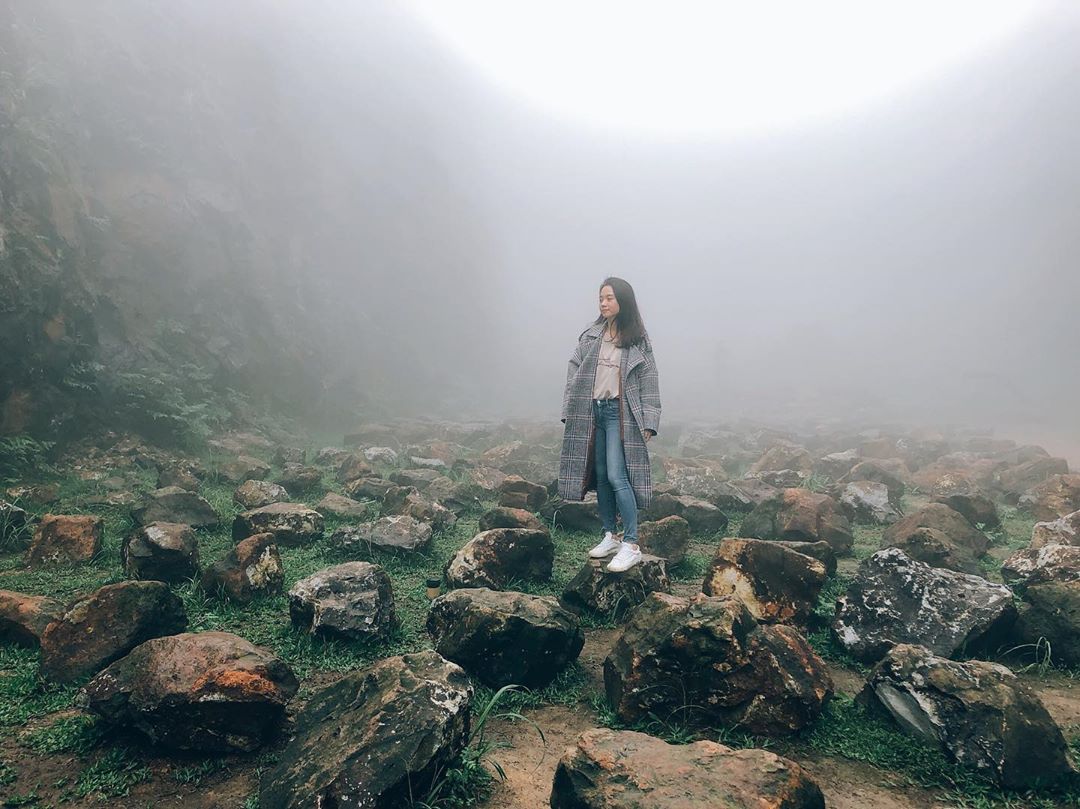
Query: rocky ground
point(91, 664)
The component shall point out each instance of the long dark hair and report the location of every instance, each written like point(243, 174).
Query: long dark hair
point(628, 321)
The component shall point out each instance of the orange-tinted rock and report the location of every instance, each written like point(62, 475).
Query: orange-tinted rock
point(250, 569)
point(1053, 498)
point(66, 539)
point(801, 515)
point(23, 618)
point(940, 537)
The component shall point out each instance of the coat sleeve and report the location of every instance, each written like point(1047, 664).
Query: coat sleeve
point(571, 370)
point(650, 393)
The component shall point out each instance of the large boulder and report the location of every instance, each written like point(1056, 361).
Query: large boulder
point(495, 558)
point(417, 478)
point(1042, 564)
point(506, 517)
point(1053, 498)
point(505, 637)
point(166, 551)
point(457, 495)
point(573, 515)
point(1062, 531)
point(338, 505)
point(776, 584)
point(611, 769)
point(801, 515)
point(979, 713)
point(975, 506)
point(368, 488)
point(1016, 480)
point(595, 589)
point(896, 599)
point(867, 502)
point(243, 467)
point(408, 501)
point(375, 738)
point(290, 523)
point(350, 600)
point(891, 473)
point(820, 550)
point(516, 492)
point(252, 568)
point(173, 504)
point(208, 692)
point(107, 624)
point(702, 516)
point(697, 477)
point(23, 617)
point(1052, 616)
point(299, 479)
point(668, 538)
point(706, 661)
point(66, 539)
point(353, 466)
point(400, 534)
point(258, 493)
point(940, 537)
point(784, 456)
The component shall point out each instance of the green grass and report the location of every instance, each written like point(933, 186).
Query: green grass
point(79, 733)
point(112, 775)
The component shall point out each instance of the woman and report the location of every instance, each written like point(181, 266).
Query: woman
point(611, 408)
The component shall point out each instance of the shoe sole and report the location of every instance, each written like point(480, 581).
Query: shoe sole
point(628, 567)
point(603, 555)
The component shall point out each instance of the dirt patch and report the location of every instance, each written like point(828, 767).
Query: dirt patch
point(852, 785)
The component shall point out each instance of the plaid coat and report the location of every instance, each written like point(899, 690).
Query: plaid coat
point(639, 389)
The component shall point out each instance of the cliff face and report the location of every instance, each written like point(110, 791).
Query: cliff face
point(195, 207)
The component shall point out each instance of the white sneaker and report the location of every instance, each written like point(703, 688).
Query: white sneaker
point(608, 545)
point(628, 556)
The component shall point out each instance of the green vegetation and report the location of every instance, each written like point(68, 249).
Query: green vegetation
point(112, 775)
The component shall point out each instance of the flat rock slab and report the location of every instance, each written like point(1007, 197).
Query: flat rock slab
point(506, 517)
point(338, 505)
point(173, 504)
point(258, 493)
point(65, 539)
point(165, 551)
point(23, 618)
point(497, 557)
point(351, 600)
point(596, 590)
point(290, 523)
point(609, 769)
point(252, 568)
point(399, 534)
point(406, 500)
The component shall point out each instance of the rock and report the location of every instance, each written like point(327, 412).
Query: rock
point(428, 463)
point(487, 478)
point(820, 550)
point(290, 523)
point(776, 584)
point(165, 551)
point(375, 738)
point(896, 599)
point(409, 502)
point(837, 464)
point(208, 692)
point(283, 455)
point(354, 466)
point(736, 495)
point(505, 637)
point(299, 479)
point(331, 456)
point(350, 600)
point(1016, 480)
point(784, 457)
point(940, 537)
point(173, 504)
point(385, 455)
point(707, 662)
point(779, 478)
point(337, 505)
point(504, 517)
point(1053, 498)
point(867, 502)
point(975, 507)
point(697, 477)
point(23, 618)
point(65, 539)
point(495, 558)
point(1042, 564)
point(573, 515)
point(12, 520)
point(980, 714)
point(368, 488)
point(258, 493)
point(252, 568)
point(107, 624)
point(877, 470)
point(703, 517)
point(596, 590)
point(242, 468)
point(613, 769)
point(180, 474)
point(668, 538)
point(1053, 615)
point(458, 496)
point(800, 515)
point(1062, 531)
point(516, 492)
point(398, 534)
point(420, 479)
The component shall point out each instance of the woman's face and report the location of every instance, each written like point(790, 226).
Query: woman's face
point(609, 307)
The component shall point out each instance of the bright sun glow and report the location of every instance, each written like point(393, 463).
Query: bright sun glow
point(684, 68)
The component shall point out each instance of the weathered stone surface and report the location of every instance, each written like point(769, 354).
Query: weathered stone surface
point(703, 517)
point(516, 492)
point(755, 490)
point(776, 584)
point(879, 471)
point(106, 625)
point(707, 661)
point(837, 464)
point(350, 600)
point(398, 534)
point(290, 523)
point(779, 478)
point(505, 637)
point(896, 599)
point(331, 456)
point(244, 468)
point(1053, 498)
point(573, 515)
point(1062, 531)
point(354, 466)
point(337, 505)
point(258, 493)
point(1053, 615)
point(1017, 480)
point(668, 538)
point(210, 692)
point(697, 477)
point(495, 558)
point(784, 456)
point(184, 474)
point(800, 515)
point(368, 488)
point(820, 550)
point(979, 713)
point(166, 551)
point(940, 537)
point(596, 590)
point(609, 769)
point(487, 478)
point(505, 517)
point(375, 738)
point(252, 568)
point(283, 455)
point(867, 502)
point(65, 539)
point(173, 504)
point(385, 455)
point(408, 501)
point(299, 479)
point(419, 479)
point(973, 505)
point(732, 496)
point(23, 618)
point(459, 496)
point(1042, 564)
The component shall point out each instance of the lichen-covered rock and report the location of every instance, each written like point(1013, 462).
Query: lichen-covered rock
point(376, 738)
point(940, 537)
point(610, 769)
point(776, 584)
point(1016, 480)
point(1062, 531)
point(495, 558)
point(516, 492)
point(896, 599)
point(258, 493)
point(166, 551)
point(979, 713)
point(1052, 615)
point(505, 637)
point(408, 501)
point(368, 488)
point(252, 568)
point(820, 550)
point(702, 516)
point(353, 466)
point(1042, 564)
point(784, 456)
point(290, 523)
point(419, 479)
point(399, 534)
point(595, 589)
point(697, 477)
point(299, 479)
point(706, 661)
point(350, 600)
point(867, 502)
point(66, 539)
point(208, 692)
point(385, 455)
point(173, 504)
point(668, 538)
point(107, 624)
point(800, 515)
point(879, 470)
point(505, 517)
point(459, 496)
point(1053, 498)
point(331, 456)
point(337, 505)
point(23, 617)
point(244, 467)
point(185, 474)
point(573, 515)
point(975, 506)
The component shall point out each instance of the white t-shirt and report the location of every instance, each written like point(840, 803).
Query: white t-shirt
point(608, 365)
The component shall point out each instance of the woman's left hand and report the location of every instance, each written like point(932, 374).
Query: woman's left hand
point(648, 434)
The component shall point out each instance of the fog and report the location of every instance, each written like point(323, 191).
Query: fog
point(429, 244)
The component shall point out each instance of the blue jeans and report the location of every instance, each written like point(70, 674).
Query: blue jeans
point(612, 482)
